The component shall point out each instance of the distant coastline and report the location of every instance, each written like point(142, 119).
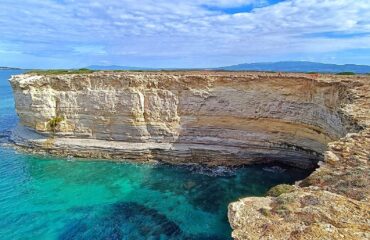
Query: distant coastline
point(10, 68)
point(300, 66)
point(284, 66)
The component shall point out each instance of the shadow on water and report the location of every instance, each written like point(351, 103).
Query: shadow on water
point(208, 189)
point(105, 200)
point(153, 210)
point(212, 189)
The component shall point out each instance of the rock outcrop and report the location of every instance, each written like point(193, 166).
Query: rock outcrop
point(333, 202)
point(219, 118)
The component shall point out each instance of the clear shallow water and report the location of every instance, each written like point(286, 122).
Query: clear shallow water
point(43, 197)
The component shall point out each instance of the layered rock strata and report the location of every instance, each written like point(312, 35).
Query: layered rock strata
point(333, 202)
point(180, 117)
point(220, 118)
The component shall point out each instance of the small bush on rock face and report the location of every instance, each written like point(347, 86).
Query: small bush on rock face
point(280, 189)
point(54, 122)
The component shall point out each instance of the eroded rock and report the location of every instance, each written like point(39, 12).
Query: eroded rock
point(220, 118)
point(212, 118)
point(333, 202)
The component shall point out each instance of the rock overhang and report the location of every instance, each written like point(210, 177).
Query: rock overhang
point(263, 115)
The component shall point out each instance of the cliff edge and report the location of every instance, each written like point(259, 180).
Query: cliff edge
point(219, 118)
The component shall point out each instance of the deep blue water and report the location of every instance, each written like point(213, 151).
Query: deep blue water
point(44, 197)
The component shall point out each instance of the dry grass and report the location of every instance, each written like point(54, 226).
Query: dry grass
point(280, 189)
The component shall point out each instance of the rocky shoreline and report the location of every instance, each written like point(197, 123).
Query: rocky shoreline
point(220, 118)
point(333, 202)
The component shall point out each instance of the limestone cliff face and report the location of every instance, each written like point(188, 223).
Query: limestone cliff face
point(252, 116)
point(221, 118)
point(333, 202)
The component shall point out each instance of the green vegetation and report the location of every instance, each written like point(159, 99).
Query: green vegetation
point(282, 205)
point(61, 71)
point(80, 71)
point(346, 73)
point(54, 122)
point(280, 189)
point(283, 210)
point(265, 212)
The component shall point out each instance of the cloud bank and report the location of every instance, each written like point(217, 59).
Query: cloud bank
point(183, 33)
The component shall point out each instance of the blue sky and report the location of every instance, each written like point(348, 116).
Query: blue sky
point(182, 33)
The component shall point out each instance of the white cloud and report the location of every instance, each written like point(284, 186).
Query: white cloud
point(167, 29)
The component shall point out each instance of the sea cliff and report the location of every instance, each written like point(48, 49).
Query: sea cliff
point(219, 118)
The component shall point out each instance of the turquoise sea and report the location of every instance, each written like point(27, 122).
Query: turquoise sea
point(45, 197)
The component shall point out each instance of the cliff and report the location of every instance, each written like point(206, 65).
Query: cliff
point(333, 202)
point(217, 118)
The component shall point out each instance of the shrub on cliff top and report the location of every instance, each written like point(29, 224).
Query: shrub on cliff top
point(280, 189)
point(346, 73)
point(61, 71)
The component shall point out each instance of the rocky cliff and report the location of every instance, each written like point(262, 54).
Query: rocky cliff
point(333, 202)
point(212, 118)
point(217, 118)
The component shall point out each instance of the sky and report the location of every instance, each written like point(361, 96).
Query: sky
point(182, 33)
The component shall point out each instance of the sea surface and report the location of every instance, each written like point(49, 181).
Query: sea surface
point(46, 197)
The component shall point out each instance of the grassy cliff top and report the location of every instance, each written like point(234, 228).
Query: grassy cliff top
point(61, 71)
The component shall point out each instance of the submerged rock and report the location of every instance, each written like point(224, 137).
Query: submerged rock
point(126, 220)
